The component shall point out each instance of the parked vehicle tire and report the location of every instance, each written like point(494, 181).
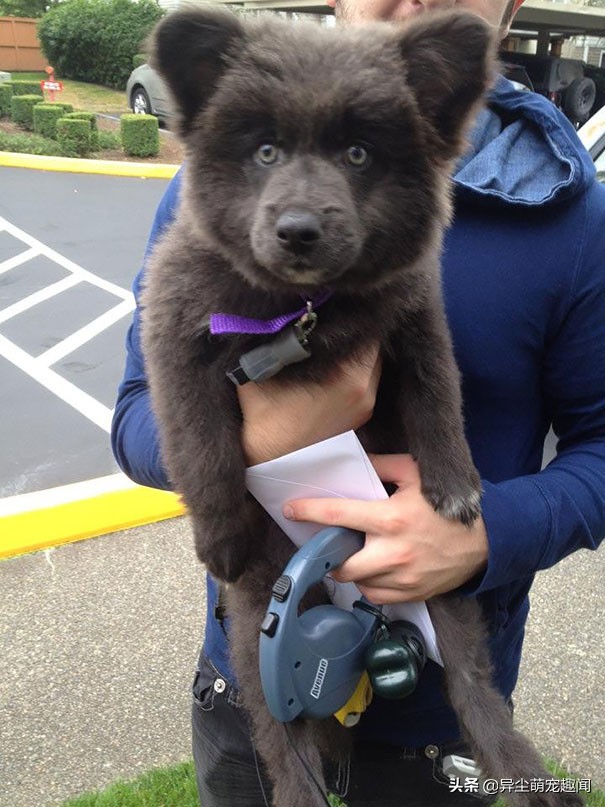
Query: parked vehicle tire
point(578, 99)
point(139, 102)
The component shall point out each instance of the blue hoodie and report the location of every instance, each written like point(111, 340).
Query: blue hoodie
point(524, 287)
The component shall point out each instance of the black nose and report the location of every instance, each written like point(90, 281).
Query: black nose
point(298, 231)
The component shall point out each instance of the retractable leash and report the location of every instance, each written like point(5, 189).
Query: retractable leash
point(327, 660)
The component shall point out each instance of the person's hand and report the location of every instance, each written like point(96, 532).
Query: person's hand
point(278, 418)
point(411, 552)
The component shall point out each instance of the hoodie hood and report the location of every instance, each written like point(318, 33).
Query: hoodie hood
point(523, 151)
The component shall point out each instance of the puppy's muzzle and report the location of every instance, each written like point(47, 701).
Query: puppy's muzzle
point(298, 231)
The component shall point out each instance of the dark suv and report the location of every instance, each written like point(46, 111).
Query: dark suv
point(561, 80)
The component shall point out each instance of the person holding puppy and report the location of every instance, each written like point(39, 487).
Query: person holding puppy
point(524, 286)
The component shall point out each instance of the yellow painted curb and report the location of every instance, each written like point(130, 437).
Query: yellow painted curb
point(87, 518)
point(80, 166)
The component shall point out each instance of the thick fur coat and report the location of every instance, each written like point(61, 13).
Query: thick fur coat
point(319, 160)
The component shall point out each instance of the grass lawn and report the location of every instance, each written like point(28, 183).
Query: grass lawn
point(164, 787)
point(175, 787)
point(86, 97)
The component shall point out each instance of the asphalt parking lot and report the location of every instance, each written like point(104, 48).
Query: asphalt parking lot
point(70, 245)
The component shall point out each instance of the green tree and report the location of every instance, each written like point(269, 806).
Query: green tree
point(25, 8)
point(95, 40)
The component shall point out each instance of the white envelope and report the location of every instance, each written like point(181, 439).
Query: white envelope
point(338, 467)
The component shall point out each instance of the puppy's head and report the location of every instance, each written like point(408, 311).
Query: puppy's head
point(316, 156)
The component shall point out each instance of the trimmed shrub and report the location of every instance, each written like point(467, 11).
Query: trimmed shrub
point(74, 137)
point(140, 135)
point(22, 110)
point(46, 117)
point(6, 93)
point(138, 59)
point(22, 87)
point(94, 129)
point(25, 143)
point(67, 108)
point(109, 140)
point(95, 40)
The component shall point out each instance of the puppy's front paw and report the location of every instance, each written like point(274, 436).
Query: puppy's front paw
point(226, 566)
point(458, 506)
point(453, 488)
point(225, 559)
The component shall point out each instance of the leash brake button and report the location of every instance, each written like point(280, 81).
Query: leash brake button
point(282, 587)
point(269, 624)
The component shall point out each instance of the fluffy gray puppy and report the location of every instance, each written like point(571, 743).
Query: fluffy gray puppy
point(318, 162)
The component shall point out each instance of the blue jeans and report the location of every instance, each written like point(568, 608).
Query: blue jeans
point(230, 774)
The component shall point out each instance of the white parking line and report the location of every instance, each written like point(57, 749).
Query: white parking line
point(38, 297)
point(22, 257)
point(38, 368)
point(86, 333)
point(85, 404)
point(78, 271)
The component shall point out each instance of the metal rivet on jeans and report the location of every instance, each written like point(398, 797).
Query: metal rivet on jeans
point(219, 685)
point(431, 751)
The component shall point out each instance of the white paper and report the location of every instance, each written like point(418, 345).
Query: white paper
point(338, 467)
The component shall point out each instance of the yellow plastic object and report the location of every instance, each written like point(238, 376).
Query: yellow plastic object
point(359, 701)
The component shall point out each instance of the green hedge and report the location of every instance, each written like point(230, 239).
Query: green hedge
point(74, 137)
point(26, 143)
point(46, 116)
point(109, 140)
point(23, 87)
point(22, 110)
point(94, 129)
point(138, 59)
point(6, 94)
point(95, 40)
point(140, 135)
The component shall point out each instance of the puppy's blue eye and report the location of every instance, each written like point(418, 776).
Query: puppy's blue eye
point(267, 154)
point(356, 155)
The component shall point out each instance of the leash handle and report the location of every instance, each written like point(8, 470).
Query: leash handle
point(311, 662)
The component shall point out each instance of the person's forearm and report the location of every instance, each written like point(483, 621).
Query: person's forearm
point(534, 521)
point(135, 443)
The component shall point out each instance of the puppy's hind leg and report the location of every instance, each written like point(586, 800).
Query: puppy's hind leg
point(280, 749)
point(485, 719)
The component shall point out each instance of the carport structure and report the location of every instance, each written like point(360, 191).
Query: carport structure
point(70, 244)
point(550, 22)
point(542, 19)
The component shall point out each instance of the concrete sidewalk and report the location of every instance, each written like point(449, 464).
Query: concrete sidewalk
point(99, 640)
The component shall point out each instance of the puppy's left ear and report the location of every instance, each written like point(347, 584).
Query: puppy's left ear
point(450, 62)
point(188, 49)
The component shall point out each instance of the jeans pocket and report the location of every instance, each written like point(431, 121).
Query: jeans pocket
point(203, 689)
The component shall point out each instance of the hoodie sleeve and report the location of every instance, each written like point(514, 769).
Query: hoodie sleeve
point(534, 521)
point(134, 436)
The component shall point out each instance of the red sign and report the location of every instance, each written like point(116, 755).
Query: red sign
point(51, 86)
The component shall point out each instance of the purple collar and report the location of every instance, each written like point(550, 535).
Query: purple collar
point(232, 323)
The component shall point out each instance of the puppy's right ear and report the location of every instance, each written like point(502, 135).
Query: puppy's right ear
point(188, 50)
point(450, 62)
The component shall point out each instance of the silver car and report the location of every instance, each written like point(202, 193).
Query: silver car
point(147, 94)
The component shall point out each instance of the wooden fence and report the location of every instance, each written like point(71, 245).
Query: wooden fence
point(19, 46)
